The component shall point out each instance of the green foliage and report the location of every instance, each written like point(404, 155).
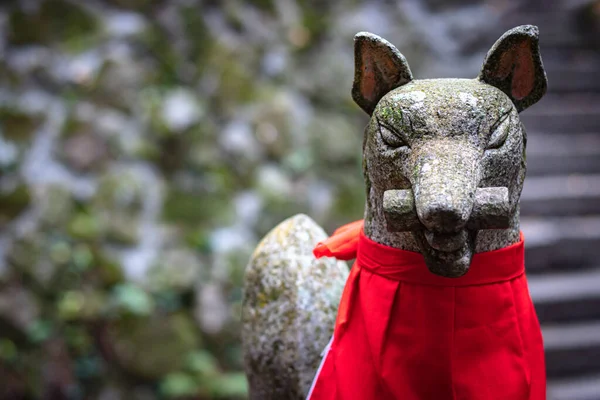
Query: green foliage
point(132, 299)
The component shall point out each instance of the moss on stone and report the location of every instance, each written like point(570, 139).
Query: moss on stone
point(55, 21)
point(13, 202)
point(191, 209)
point(17, 125)
point(152, 348)
point(86, 226)
point(137, 5)
point(198, 35)
point(160, 49)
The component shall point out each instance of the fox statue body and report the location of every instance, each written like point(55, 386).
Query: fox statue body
point(444, 165)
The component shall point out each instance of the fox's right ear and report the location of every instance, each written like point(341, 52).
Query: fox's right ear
point(378, 68)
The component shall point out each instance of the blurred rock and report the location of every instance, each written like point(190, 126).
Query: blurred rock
point(175, 269)
point(211, 310)
point(52, 21)
point(237, 138)
point(12, 202)
point(273, 183)
point(56, 205)
point(151, 348)
point(181, 110)
point(124, 24)
point(84, 152)
point(18, 126)
point(18, 308)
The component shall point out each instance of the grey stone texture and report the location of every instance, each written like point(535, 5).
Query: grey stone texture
point(289, 309)
point(490, 210)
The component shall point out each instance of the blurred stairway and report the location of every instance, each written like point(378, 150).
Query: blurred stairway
point(561, 198)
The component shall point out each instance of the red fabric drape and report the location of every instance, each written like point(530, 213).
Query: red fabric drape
point(405, 333)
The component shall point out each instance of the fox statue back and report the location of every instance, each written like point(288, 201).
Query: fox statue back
point(444, 165)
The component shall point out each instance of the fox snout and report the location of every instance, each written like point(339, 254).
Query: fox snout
point(446, 208)
point(444, 183)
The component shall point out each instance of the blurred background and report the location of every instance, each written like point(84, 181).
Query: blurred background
point(147, 145)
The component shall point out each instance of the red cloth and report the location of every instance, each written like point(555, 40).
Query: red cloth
point(405, 333)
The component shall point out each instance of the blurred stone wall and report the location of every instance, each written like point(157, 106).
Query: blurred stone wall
point(147, 145)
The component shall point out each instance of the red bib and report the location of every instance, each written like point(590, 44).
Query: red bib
point(404, 333)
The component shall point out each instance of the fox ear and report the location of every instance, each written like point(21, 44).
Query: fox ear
point(514, 65)
point(378, 68)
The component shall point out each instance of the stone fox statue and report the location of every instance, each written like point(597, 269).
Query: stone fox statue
point(436, 305)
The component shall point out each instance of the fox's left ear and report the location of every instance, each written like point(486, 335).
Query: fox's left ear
point(514, 65)
point(378, 68)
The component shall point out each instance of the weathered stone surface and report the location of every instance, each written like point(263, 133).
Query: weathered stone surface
point(490, 210)
point(379, 67)
point(132, 341)
point(289, 309)
point(519, 49)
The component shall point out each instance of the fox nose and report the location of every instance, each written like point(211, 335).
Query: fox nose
point(444, 215)
point(444, 185)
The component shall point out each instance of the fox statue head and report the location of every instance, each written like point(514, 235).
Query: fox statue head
point(444, 159)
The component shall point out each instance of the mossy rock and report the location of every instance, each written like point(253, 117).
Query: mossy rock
point(18, 126)
point(198, 35)
point(265, 5)
point(154, 347)
point(13, 203)
point(237, 83)
point(158, 45)
point(191, 209)
point(54, 21)
point(86, 226)
point(136, 5)
point(81, 305)
point(289, 309)
point(25, 253)
point(57, 205)
point(120, 190)
point(122, 229)
point(175, 269)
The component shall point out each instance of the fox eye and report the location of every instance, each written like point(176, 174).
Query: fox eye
point(499, 134)
point(391, 137)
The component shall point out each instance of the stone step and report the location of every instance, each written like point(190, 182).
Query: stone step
point(561, 243)
point(569, 79)
point(562, 153)
point(569, 296)
point(561, 207)
point(585, 387)
point(579, 104)
point(583, 122)
point(569, 57)
point(539, 165)
point(561, 195)
point(553, 145)
point(572, 349)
